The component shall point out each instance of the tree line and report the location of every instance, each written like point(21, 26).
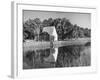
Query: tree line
point(32, 29)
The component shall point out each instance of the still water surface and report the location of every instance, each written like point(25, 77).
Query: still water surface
point(67, 56)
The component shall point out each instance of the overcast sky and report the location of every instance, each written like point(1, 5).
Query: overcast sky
point(81, 19)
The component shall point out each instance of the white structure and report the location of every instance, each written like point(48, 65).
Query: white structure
point(52, 31)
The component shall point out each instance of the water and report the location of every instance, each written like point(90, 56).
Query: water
point(67, 56)
point(72, 56)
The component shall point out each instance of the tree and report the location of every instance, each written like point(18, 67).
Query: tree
point(32, 28)
point(44, 36)
point(75, 32)
point(59, 28)
point(45, 23)
point(28, 30)
point(50, 22)
point(38, 26)
point(81, 33)
point(87, 32)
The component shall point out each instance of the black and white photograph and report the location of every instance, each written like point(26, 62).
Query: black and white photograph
point(56, 39)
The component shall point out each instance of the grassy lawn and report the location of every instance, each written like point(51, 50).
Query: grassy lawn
point(34, 45)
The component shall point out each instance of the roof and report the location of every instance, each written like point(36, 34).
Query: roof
point(50, 29)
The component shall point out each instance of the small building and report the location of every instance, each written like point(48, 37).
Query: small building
point(52, 31)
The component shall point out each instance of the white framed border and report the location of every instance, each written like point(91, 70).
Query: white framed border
point(17, 63)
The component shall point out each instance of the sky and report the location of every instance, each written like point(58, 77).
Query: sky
point(81, 19)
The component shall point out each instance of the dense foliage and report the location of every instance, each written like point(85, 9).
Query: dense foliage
point(32, 29)
point(68, 56)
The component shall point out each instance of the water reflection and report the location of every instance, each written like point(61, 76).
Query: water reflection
point(66, 56)
point(71, 56)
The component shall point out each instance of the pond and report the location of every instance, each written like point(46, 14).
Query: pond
point(66, 56)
